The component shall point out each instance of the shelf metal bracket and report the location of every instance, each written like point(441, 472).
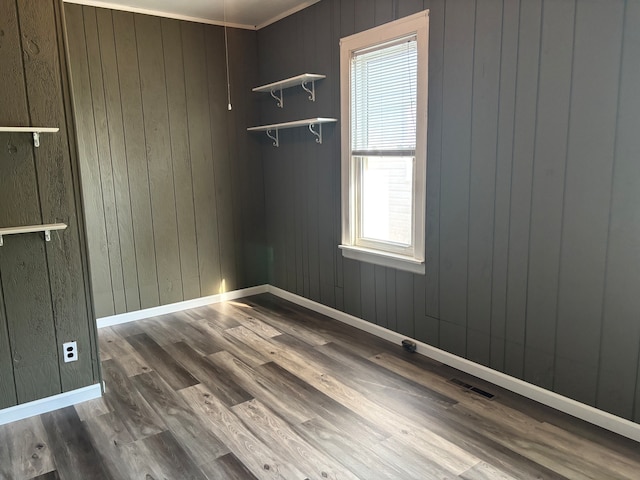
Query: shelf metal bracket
point(279, 99)
point(276, 141)
point(47, 237)
point(312, 91)
point(317, 134)
point(36, 139)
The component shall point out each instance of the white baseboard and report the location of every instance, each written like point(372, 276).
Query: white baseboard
point(44, 405)
point(579, 410)
point(179, 306)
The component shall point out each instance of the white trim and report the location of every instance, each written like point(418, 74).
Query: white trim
point(579, 410)
point(158, 13)
point(418, 25)
point(293, 124)
point(385, 259)
point(179, 306)
point(291, 11)
point(44, 405)
point(297, 81)
point(584, 412)
point(30, 129)
point(177, 16)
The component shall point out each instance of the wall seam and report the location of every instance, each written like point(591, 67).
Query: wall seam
point(144, 130)
point(108, 133)
point(471, 112)
point(173, 172)
point(564, 195)
point(611, 192)
point(126, 158)
point(533, 170)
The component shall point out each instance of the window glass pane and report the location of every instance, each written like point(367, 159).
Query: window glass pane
point(384, 96)
point(386, 196)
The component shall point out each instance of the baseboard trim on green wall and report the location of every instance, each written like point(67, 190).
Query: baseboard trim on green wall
point(179, 306)
point(48, 404)
point(576, 409)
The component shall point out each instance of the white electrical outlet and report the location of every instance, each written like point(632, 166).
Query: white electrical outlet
point(70, 351)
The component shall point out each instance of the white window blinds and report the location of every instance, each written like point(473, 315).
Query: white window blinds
point(384, 98)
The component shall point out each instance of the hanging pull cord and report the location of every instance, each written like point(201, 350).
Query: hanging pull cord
point(226, 53)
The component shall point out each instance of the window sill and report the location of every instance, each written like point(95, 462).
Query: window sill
point(376, 257)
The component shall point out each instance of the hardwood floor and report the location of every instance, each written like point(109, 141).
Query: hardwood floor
point(264, 389)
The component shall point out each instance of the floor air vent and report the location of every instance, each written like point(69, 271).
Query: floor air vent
point(477, 390)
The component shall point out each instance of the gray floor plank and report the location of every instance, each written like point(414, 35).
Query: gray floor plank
point(75, 456)
point(229, 467)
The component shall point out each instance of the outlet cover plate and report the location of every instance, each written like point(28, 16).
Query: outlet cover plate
point(70, 351)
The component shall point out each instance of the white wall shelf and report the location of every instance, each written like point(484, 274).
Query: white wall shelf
point(36, 131)
point(309, 123)
point(32, 229)
point(299, 80)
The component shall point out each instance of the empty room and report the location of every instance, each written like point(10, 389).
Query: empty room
point(319, 239)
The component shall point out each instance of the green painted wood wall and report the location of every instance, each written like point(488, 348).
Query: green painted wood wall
point(44, 290)
point(172, 182)
point(533, 201)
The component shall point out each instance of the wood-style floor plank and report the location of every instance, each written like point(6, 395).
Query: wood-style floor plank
point(48, 476)
point(484, 471)
point(201, 444)
point(131, 407)
point(246, 316)
point(208, 373)
point(180, 328)
point(292, 387)
point(273, 430)
point(282, 323)
point(163, 363)
point(263, 389)
point(350, 449)
point(92, 408)
point(25, 451)
point(169, 457)
point(266, 389)
point(228, 467)
point(228, 343)
point(113, 345)
point(108, 435)
point(262, 461)
point(71, 447)
point(403, 456)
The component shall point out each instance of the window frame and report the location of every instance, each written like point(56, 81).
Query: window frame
point(414, 259)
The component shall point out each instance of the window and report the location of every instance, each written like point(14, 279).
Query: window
point(383, 88)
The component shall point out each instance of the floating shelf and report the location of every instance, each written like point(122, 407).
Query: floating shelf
point(36, 131)
point(309, 122)
point(300, 80)
point(32, 229)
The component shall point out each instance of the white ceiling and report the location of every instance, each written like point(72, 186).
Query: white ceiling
point(251, 14)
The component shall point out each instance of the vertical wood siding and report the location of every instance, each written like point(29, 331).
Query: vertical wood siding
point(532, 187)
point(44, 296)
point(172, 182)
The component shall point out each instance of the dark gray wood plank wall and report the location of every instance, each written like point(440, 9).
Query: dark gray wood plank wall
point(524, 133)
point(172, 182)
point(588, 190)
point(619, 370)
point(45, 296)
point(549, 165)
point(532, 208)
